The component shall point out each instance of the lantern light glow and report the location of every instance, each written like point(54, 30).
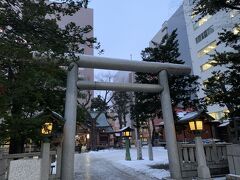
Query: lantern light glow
point(196, 125)
point(47, 128)
point(126, 133)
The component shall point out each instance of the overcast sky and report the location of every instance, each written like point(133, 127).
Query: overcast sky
point(125, 27)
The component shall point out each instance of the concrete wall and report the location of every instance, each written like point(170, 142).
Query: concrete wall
point(176, 21)
point(233, 155)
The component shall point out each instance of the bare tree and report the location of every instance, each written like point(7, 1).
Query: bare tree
point(99, 105)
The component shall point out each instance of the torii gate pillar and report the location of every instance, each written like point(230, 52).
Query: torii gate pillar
point(169, 127)
point(69, 130)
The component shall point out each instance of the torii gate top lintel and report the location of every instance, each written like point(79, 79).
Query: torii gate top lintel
point(129, 65)
point(123, 65)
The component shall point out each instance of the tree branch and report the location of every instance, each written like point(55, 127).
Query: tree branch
point(232, 7)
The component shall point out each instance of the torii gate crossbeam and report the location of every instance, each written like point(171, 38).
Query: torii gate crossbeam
point(150, 88)
point(67, 172)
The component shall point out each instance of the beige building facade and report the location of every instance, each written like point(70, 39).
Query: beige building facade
point(82, 18)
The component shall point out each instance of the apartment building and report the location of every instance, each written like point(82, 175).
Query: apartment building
point(82, 18)
point(203, 37)
point(198, 39)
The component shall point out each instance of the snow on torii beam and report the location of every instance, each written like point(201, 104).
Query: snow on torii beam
point(150, 88)
point(129, 65)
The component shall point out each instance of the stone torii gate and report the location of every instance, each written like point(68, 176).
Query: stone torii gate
point(67, 171)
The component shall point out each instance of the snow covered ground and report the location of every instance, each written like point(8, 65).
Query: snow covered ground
point(117, 157)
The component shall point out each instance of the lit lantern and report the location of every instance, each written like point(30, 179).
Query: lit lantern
point(196, 125)
point(126, 133)
point(47, 128)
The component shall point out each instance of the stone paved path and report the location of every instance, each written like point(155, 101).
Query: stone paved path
point(92, 168)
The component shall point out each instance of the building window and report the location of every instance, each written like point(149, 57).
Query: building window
point(205, 34)
point(207, 49)
point(201, 21)
point(207, 65)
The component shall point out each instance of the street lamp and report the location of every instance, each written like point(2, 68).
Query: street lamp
point(127, 134)
point(196, 125)
point(46, 132)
